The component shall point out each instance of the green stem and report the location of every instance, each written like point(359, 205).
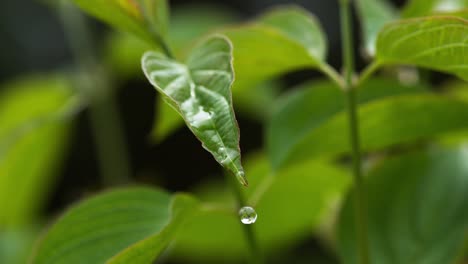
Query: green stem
point(332, 74)
point(249, 232)
point(95, 85)
point(367, 73)
point(360, 193)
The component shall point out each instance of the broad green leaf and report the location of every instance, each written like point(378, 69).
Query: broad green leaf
point(135, 223)
point(260, 46)
point(200, 91)
point(142, 18)
point(385, 123)
point(284, 219)
point(437, 43)
point(311, 106)
point(417, 8)
point(416, 209)
point(374, 14)
point(34, 131)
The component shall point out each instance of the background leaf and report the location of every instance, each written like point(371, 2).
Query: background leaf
point(259, 46)
point(312, 105)
point(374, 14)
point(114, 226)
point(126, 15)
point(437, 43)
point(416, 8)
point(32, 145)
point(200, 91)
point(417, 209)
point(283, 217)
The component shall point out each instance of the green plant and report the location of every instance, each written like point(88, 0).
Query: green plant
point(389, 151)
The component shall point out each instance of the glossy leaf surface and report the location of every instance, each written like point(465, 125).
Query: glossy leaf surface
point(437, 43)
point(134, 223)
point(417, 209)
point(200, 90)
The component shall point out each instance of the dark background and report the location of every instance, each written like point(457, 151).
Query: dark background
point(32, 41)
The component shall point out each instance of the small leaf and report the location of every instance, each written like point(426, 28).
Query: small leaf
point(437, 43)
point(417, 8)
point(34, 131)
point(416, 210)
point(200, 91)
point(136, 223)
point(127, 15)
point(374, 14)
point(310, 107)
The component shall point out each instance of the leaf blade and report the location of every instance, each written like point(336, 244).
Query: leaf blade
point(200, 91)
point(112, 226)
point(421, 219)
point(437, 43)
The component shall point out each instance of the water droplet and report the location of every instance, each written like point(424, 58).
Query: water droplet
point(248, 215)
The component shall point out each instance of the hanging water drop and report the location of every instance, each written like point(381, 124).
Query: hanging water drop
point(248, 215)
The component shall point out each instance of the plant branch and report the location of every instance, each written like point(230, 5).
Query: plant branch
point(360, 193)
point(249, 232)
point(95, 85)
point(332, 74)
point(367, 73)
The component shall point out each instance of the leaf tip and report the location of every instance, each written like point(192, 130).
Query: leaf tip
point(241, 177)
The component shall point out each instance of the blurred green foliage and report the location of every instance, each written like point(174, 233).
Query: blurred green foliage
point(413, 138)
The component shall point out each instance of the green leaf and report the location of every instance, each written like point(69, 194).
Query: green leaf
point(134, 223)
point(260, 46)
point(437, 43)
point(283, 218)
point(34, 131)
point(374, 14)
point(312, 107)
point(417, 8)
point(416, 209)
point(142, 18)
point(200, 91)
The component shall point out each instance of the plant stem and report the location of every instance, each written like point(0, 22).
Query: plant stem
point(367, 72)
point(249, 232)
point(360, 192)
point(95, 86)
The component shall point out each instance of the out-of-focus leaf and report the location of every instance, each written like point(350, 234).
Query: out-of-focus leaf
point(16, 245)
point(283, 217)
point(416, 210)
point(124, 51)
point(142, 18)
point(374, 14)
point(385, 123)
point(437, 43)
point(200, 91)
point(416, 8)
point(260, 46)
point(134, 223)
point(33, 135)
point(313, 105)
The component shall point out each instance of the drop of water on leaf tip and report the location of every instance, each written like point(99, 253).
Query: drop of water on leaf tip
point(248, 215)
